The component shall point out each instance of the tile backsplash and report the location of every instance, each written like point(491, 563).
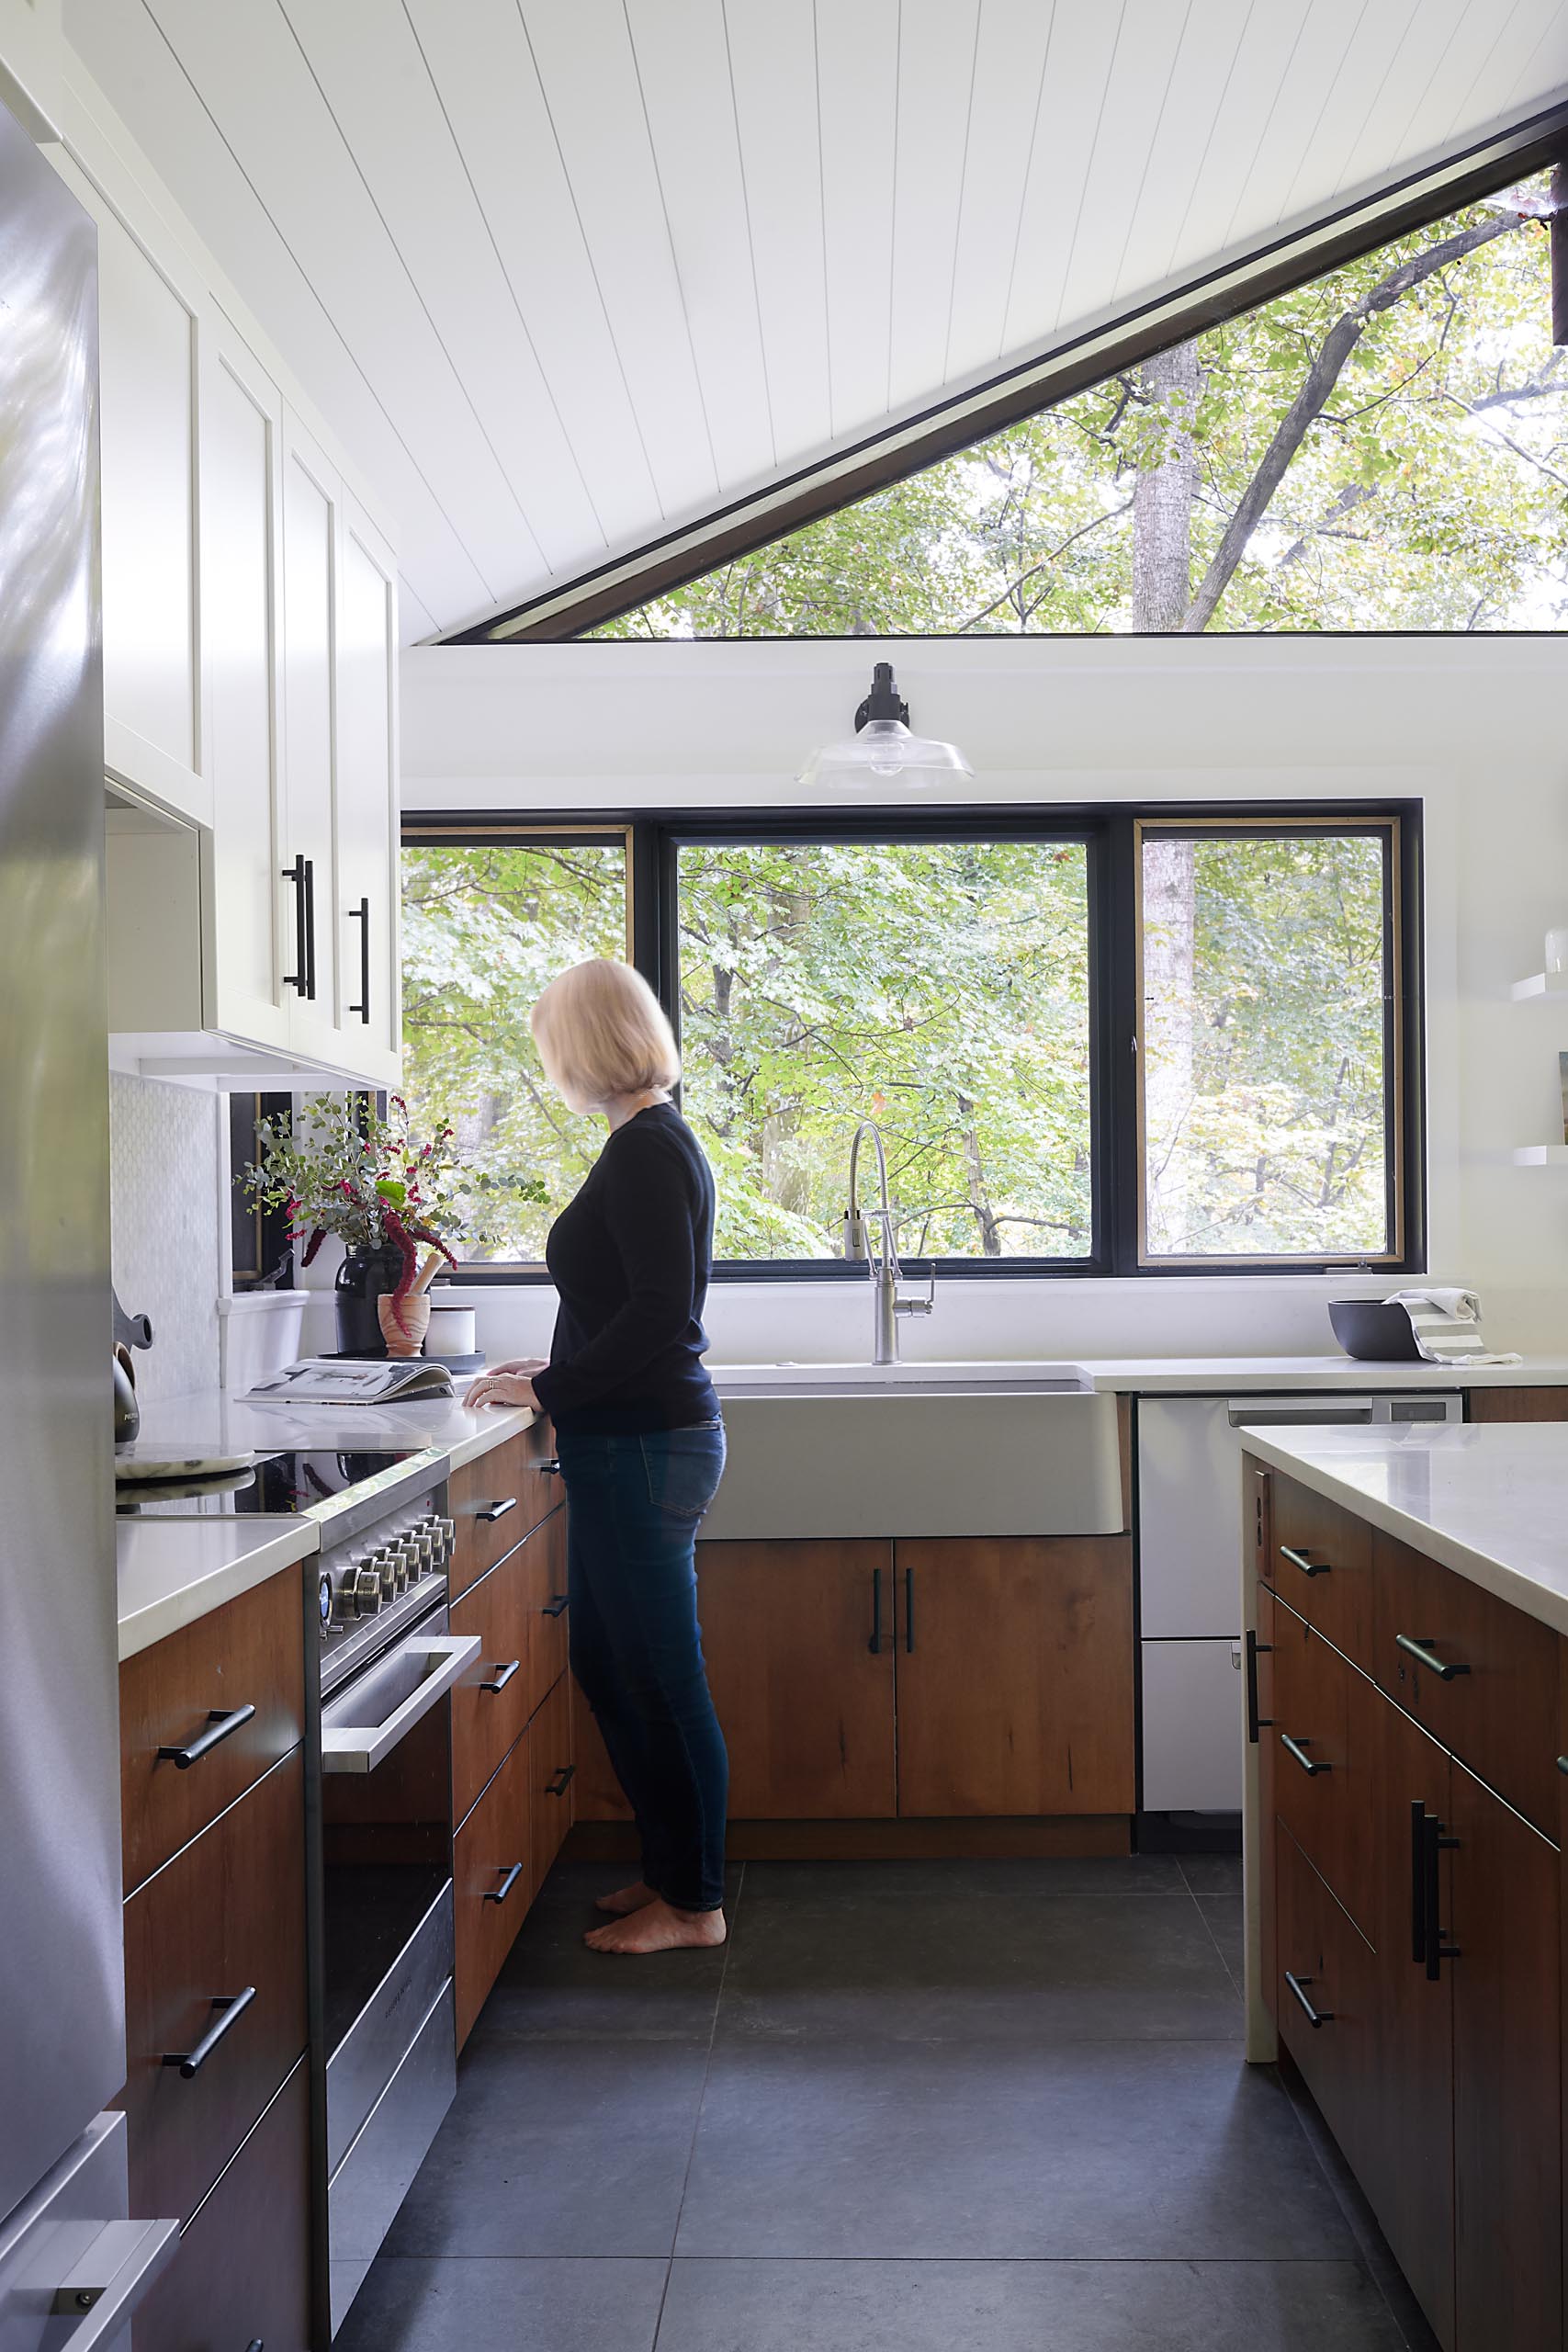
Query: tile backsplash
point(166, 1151)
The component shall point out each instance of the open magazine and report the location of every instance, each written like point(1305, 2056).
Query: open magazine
point(331, 1380)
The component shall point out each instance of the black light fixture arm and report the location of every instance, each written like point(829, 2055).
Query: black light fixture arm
point(884, 700)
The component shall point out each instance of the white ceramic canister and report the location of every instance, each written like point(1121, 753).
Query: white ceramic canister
point(452, 1331)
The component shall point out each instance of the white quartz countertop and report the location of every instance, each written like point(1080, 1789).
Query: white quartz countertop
point(1177, 1376)
point(1487, 1501)
point(210, 1420)
point(172, 1571)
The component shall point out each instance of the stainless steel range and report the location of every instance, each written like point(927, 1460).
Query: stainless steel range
point(383, 1806)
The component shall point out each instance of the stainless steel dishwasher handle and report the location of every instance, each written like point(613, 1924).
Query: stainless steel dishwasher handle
point(350, 1747)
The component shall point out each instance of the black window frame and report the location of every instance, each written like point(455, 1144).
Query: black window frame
point(1113, 834)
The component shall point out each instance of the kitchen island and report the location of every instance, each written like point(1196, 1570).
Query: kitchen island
point(1406, 1609)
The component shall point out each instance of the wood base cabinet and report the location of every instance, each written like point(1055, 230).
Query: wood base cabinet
point(931, 1680)
point(1414, 1916)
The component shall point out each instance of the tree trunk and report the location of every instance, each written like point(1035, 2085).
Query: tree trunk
point(1169, 899)
point(1164, 492)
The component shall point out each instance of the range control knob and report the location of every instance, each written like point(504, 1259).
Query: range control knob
point(326, 1601)
point(365, 1583)
point(446, 1538)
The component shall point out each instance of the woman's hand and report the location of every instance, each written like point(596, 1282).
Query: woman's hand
point(526, 1365)
point(503, 1388)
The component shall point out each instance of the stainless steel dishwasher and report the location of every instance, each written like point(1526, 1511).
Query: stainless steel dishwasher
point(1189, 1537)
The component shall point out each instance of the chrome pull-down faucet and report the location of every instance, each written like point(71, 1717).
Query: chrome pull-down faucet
point(880, 1263)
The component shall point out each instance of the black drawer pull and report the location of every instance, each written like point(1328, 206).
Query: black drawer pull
point(499, 1894)
point(1562, 1763)
point(1423, 1654)
point(910, 1610)
point(1435, 1842)
point(221, 1725)
point(562, 1781)
point(502, 1674)
point(1309, 1567)
point(498, 1509)
point(1311, 1766)
point(231, 2008)
point(1255, 1722)
point(1418, 1881)
point(551, 1469)
point(1315, 2017)
point(874, 1644)
point(256, 2344)
point(556, 1604)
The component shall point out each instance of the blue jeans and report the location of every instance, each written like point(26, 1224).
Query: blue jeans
point(635, 1504)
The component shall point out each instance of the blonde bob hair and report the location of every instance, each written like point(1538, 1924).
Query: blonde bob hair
point(601, 1032)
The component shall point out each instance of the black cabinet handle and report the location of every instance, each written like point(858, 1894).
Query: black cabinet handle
point(300, 979)
point(231, 2008)
point(1255, 1722)
point(562, 1781)
point(310, 864)
point(497, 1509)
point(910, 1610)
point(1418, 1881)
point(551, 1469)
point(556, 1604)
point(874, 1644)
point(1424, 1655)
point(1315, 2017)
point(256, 2344)
point(502, 1676)
point(221, 1725)
point(1308, 1567)
point(361, 915)
point(499, 1894)
point(1311, 1766)
point(1435, 1842)
point(1562, 1763)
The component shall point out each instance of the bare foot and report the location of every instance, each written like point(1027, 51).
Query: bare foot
point(627, 1899)
point(658, 1927)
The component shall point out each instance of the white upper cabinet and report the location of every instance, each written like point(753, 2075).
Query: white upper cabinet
point(250, 683)
point(367, 865)
point(241, 436)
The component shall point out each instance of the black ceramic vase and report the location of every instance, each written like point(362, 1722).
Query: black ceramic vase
point(365, 1277)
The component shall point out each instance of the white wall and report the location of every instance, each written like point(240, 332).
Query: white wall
point(168, 1157)
point(1472, 728)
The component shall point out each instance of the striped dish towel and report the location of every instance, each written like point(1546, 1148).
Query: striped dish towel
point(1447, 1326)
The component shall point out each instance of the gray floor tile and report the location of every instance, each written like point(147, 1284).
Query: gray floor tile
point(1023, 2307)
point(975, 1880)
point(1226, 1923)
point(576, 2148)
point(1212, 1873)
point(489, 2306)
point(982, 2151)
point(1013, 1969)
point(552, 1985)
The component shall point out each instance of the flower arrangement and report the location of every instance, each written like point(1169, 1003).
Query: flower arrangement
point(340, 1166)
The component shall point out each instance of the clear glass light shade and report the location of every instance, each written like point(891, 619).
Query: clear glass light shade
point(885, 752)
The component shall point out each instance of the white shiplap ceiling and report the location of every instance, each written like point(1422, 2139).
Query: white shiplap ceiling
point(567, 273)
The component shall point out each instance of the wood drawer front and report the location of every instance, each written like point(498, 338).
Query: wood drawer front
point(227, 1912)
point(249, 1653)
point(242, 2273)
point(497, 1500)
point(496, 1838)
point(1518, 1405)
point(1321, 1565)
point(1500, 1718)
point(486, 1721)
point(543, 1568)
point(554, 1771)
point(1336, 1972)
point(1324, 1747)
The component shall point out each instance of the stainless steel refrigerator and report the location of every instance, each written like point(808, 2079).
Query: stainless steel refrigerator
point(72, 2266)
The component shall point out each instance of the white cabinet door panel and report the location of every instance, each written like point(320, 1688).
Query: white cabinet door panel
point(152, 648)
point(241, 418)
point(311, 530)
point(1193, 1725)
point(1189, 1518)
point(366, 800)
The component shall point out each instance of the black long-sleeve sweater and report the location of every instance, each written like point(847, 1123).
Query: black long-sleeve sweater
point(630, 1256)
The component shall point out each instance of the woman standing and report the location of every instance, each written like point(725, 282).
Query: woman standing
point(640, 1441)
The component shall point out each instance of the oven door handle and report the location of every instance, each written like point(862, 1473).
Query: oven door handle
point(359, 1747)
